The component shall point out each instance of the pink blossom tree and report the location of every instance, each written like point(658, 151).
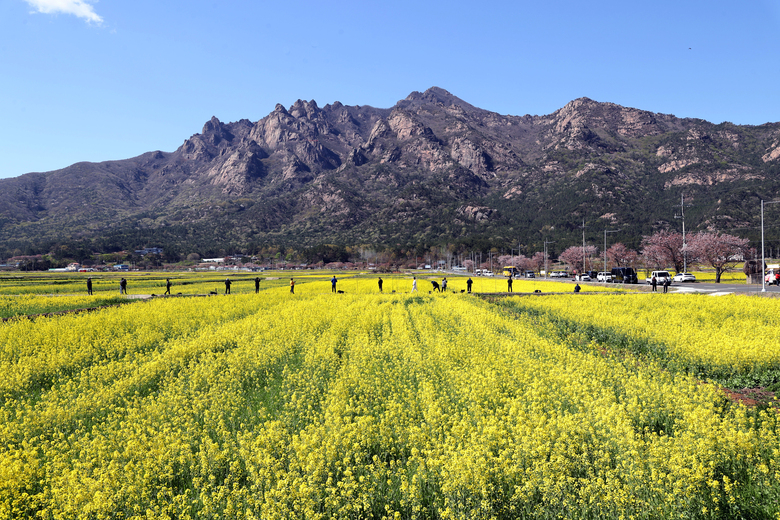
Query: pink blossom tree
point(662, 249)
point(573, 257)
point(621, 256)
point(536, 262)
point(719, 251)
point(504, 260)
point(516, 260)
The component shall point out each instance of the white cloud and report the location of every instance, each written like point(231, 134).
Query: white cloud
point(79, 8)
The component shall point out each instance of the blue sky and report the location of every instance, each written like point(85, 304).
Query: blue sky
point(82, 80)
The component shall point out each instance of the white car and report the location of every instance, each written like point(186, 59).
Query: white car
point(604, 277)
point(684, 277)
point(583, 278)
point(660, 277)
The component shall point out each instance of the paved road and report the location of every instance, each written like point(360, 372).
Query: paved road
point(712, 289)
point(719, 289)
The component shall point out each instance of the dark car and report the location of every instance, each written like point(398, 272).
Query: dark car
point(624, 275)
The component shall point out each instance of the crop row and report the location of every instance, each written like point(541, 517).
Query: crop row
point(359, 406)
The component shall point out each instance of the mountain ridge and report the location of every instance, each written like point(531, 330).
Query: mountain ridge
point(430, 170)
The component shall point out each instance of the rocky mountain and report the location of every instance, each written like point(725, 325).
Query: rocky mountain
point(431, 170)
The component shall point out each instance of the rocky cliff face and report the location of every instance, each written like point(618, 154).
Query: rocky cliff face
point(432, 166)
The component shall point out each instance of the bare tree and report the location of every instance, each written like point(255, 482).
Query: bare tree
point(719, 251)
point(662, 249)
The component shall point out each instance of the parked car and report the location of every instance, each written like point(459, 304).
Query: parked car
point(582, 278)
point(684, 277)
point(604, 276)
point(530, 274)
point(624, 275)
point(660, 276)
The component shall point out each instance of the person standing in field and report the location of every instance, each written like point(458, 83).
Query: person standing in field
point(666, 285)
point(168, 286)
point(292, 286)
point(380, 284)
point(257, 284)
point(509, 284)
point(444, 284)
point(468, 284)
point(414, 284)
point(333, 284)
point(89, 286)
point(122, 286)
point(653, 283)
point(227, 285)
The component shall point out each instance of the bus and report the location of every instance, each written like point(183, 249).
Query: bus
point(511, 270)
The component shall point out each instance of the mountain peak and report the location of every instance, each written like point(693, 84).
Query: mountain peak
point(435, 95)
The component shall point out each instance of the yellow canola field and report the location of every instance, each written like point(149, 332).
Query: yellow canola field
point(358, 406)
point(728, 335)
point(11, 306)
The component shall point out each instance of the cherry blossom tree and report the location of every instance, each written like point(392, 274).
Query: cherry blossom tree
point(663, 249)
point(536, 262)
point(517, 261)
point(621, 256)
point(573, 257)
point(719, 251)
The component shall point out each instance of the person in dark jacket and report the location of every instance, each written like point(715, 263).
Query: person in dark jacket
point(577, 288)
point(333, 284)
point(227, 285)
point(122, 286)
point(435, 285)
point(468, 284)
point(380, 284)
point(666, 284)
point(168, 286)
point(654, 283)
point(509, 284)
point(89, 286)
point(257, 284)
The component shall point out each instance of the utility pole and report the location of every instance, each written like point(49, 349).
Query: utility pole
point(546, 272)
point(583, 248)
point(682, 216)
point(605, 250)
